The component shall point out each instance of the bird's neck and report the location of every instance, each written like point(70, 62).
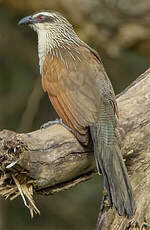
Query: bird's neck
point(43, 49)
point(56, 47)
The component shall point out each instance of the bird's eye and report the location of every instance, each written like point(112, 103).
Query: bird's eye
point(41, 17)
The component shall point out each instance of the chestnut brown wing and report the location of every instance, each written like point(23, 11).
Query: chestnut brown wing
point(74, 90)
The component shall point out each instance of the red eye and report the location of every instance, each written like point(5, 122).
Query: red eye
point(41, 17)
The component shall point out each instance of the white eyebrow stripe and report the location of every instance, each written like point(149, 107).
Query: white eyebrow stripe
point(43, 13)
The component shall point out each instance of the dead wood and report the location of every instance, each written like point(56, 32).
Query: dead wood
point(52, 160)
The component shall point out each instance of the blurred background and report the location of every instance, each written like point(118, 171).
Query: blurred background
point(120, 31)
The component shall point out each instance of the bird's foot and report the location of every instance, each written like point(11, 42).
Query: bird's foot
point(57, 121)
point(49, 123)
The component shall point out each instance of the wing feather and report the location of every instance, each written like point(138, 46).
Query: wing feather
point(74, 89)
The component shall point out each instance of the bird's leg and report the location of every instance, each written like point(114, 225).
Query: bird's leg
point(57, 121)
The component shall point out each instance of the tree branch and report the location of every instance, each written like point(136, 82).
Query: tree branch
point(51, 160)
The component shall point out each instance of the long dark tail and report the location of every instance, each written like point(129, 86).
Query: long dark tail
point(110, 163)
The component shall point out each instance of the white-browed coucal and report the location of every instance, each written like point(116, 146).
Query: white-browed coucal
point(82, 95)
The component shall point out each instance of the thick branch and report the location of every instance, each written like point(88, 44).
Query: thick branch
point(55, 160)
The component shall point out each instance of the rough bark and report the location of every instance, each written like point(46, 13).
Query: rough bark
point(52, 160)
point(134, 111)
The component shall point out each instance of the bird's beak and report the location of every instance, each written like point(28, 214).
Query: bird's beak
point(26, 20)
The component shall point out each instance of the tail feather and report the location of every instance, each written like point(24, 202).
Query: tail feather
point(116, 181)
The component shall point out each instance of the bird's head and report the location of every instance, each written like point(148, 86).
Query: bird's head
point(54, 33)
point(50, 21)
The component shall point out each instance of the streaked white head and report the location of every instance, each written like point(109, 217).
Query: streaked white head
point(53, 31)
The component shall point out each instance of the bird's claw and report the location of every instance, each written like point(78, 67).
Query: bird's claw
point(49, 123)
point(57, 121)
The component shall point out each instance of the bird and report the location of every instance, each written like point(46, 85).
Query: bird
point(80, 91)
